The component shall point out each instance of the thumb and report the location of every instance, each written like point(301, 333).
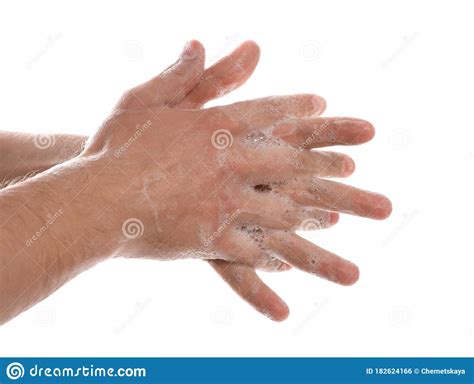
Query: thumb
point(172, 85)
point(227, 74)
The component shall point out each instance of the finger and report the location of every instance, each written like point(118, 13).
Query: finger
point(333, 196)
point(319, 132)
point(264, 208)
point(227, 74)
point(324, 163)
point(308, 257)
point(264, 112)
point(281, 162)
point(246, 283)
point(244, 247)
point(172, 85)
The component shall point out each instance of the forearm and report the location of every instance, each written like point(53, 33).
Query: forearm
point(25, 154)
point(49, 233)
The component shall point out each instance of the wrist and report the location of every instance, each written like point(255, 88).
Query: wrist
point(24, 154)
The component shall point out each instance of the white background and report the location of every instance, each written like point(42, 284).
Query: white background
point(405, 66)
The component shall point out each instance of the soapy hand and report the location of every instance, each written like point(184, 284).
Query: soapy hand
point(164, 179)
point(229, 183)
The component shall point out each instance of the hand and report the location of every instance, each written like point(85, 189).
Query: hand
point(24, 155)
point(178, 86)
point(265, 186)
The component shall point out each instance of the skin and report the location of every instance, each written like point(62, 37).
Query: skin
point(159, 166)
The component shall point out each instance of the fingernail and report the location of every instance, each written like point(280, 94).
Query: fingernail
point(367, 129)
point(349, 274)
point(319, 104)
point(384, 209)
point(284, 267)
point(190, 51)
point(333, 218)
point(348, 166)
